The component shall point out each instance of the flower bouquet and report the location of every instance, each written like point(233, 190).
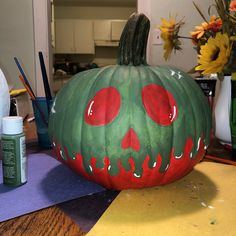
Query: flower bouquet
point(214, 40)
point(215, 43)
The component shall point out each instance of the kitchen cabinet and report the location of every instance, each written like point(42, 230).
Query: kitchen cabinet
point(102, 30)
point(108, 32)
point(74, 36)
point(117, 27)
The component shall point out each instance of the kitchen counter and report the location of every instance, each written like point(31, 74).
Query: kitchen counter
point(59, 81)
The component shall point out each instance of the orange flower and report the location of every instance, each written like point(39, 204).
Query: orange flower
point(200, 30)
point(232, 6)
point(215, 24)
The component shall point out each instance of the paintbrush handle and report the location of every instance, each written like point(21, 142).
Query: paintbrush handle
point(45, 78)
point(27, 88)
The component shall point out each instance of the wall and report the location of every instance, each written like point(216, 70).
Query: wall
point(42, 41)
point(17, 40)
point(24, 32)
point(184, 9)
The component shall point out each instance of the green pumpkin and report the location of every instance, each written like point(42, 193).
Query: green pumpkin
point(131, 125)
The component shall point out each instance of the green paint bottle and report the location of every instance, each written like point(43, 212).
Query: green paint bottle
point(14, 161)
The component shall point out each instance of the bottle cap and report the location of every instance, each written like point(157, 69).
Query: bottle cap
point(12, 125)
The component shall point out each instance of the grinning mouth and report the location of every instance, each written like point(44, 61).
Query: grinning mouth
point(178, 167)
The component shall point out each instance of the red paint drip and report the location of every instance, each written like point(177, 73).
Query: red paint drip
point(130, 140)
point(177, 168)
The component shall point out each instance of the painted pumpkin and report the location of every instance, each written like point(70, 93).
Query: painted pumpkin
point(131, 125)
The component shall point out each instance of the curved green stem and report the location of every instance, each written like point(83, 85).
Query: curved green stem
point(133, 41)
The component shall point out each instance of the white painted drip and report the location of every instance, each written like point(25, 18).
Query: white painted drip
point(167, 167)
point(198, 143)
point(180, 156)
point(137, 176)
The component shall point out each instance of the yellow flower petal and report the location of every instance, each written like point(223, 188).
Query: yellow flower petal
point(214, 55)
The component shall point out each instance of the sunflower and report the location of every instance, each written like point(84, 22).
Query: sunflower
point(214, 55)
point(169, 33)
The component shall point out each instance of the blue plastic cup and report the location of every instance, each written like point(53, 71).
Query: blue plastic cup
point(41, 114)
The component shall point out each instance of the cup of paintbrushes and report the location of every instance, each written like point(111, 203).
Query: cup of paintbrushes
point(41, 114)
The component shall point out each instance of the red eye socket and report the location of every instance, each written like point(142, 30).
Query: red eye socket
point(103, 107)
point(159, 104)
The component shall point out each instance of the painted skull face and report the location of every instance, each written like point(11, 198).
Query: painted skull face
point(130, 127)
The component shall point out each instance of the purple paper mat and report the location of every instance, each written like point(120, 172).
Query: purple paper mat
point(49, 183)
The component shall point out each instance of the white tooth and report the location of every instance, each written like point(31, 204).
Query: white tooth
point(191, 155)
point(205, 147)
point(178, 157)
point(154, 164)
point(54, 144)
point(90, 167)
point(109, 167)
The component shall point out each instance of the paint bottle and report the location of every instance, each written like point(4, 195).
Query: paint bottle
point(14, 161)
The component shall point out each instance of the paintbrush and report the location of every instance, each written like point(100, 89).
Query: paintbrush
point(45, 81)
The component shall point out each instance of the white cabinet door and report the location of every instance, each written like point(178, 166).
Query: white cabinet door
point(83, 35)
point(64, 36)
point(74, 36)
point(102, 30)
point(117, 27)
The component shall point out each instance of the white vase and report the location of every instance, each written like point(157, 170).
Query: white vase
point(222, 112)
point(4, 99)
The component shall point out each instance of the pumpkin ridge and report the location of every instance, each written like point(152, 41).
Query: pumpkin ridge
point(198, 112)
point(150, 153)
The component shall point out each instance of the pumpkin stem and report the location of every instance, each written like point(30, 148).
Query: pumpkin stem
point(133, 41)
